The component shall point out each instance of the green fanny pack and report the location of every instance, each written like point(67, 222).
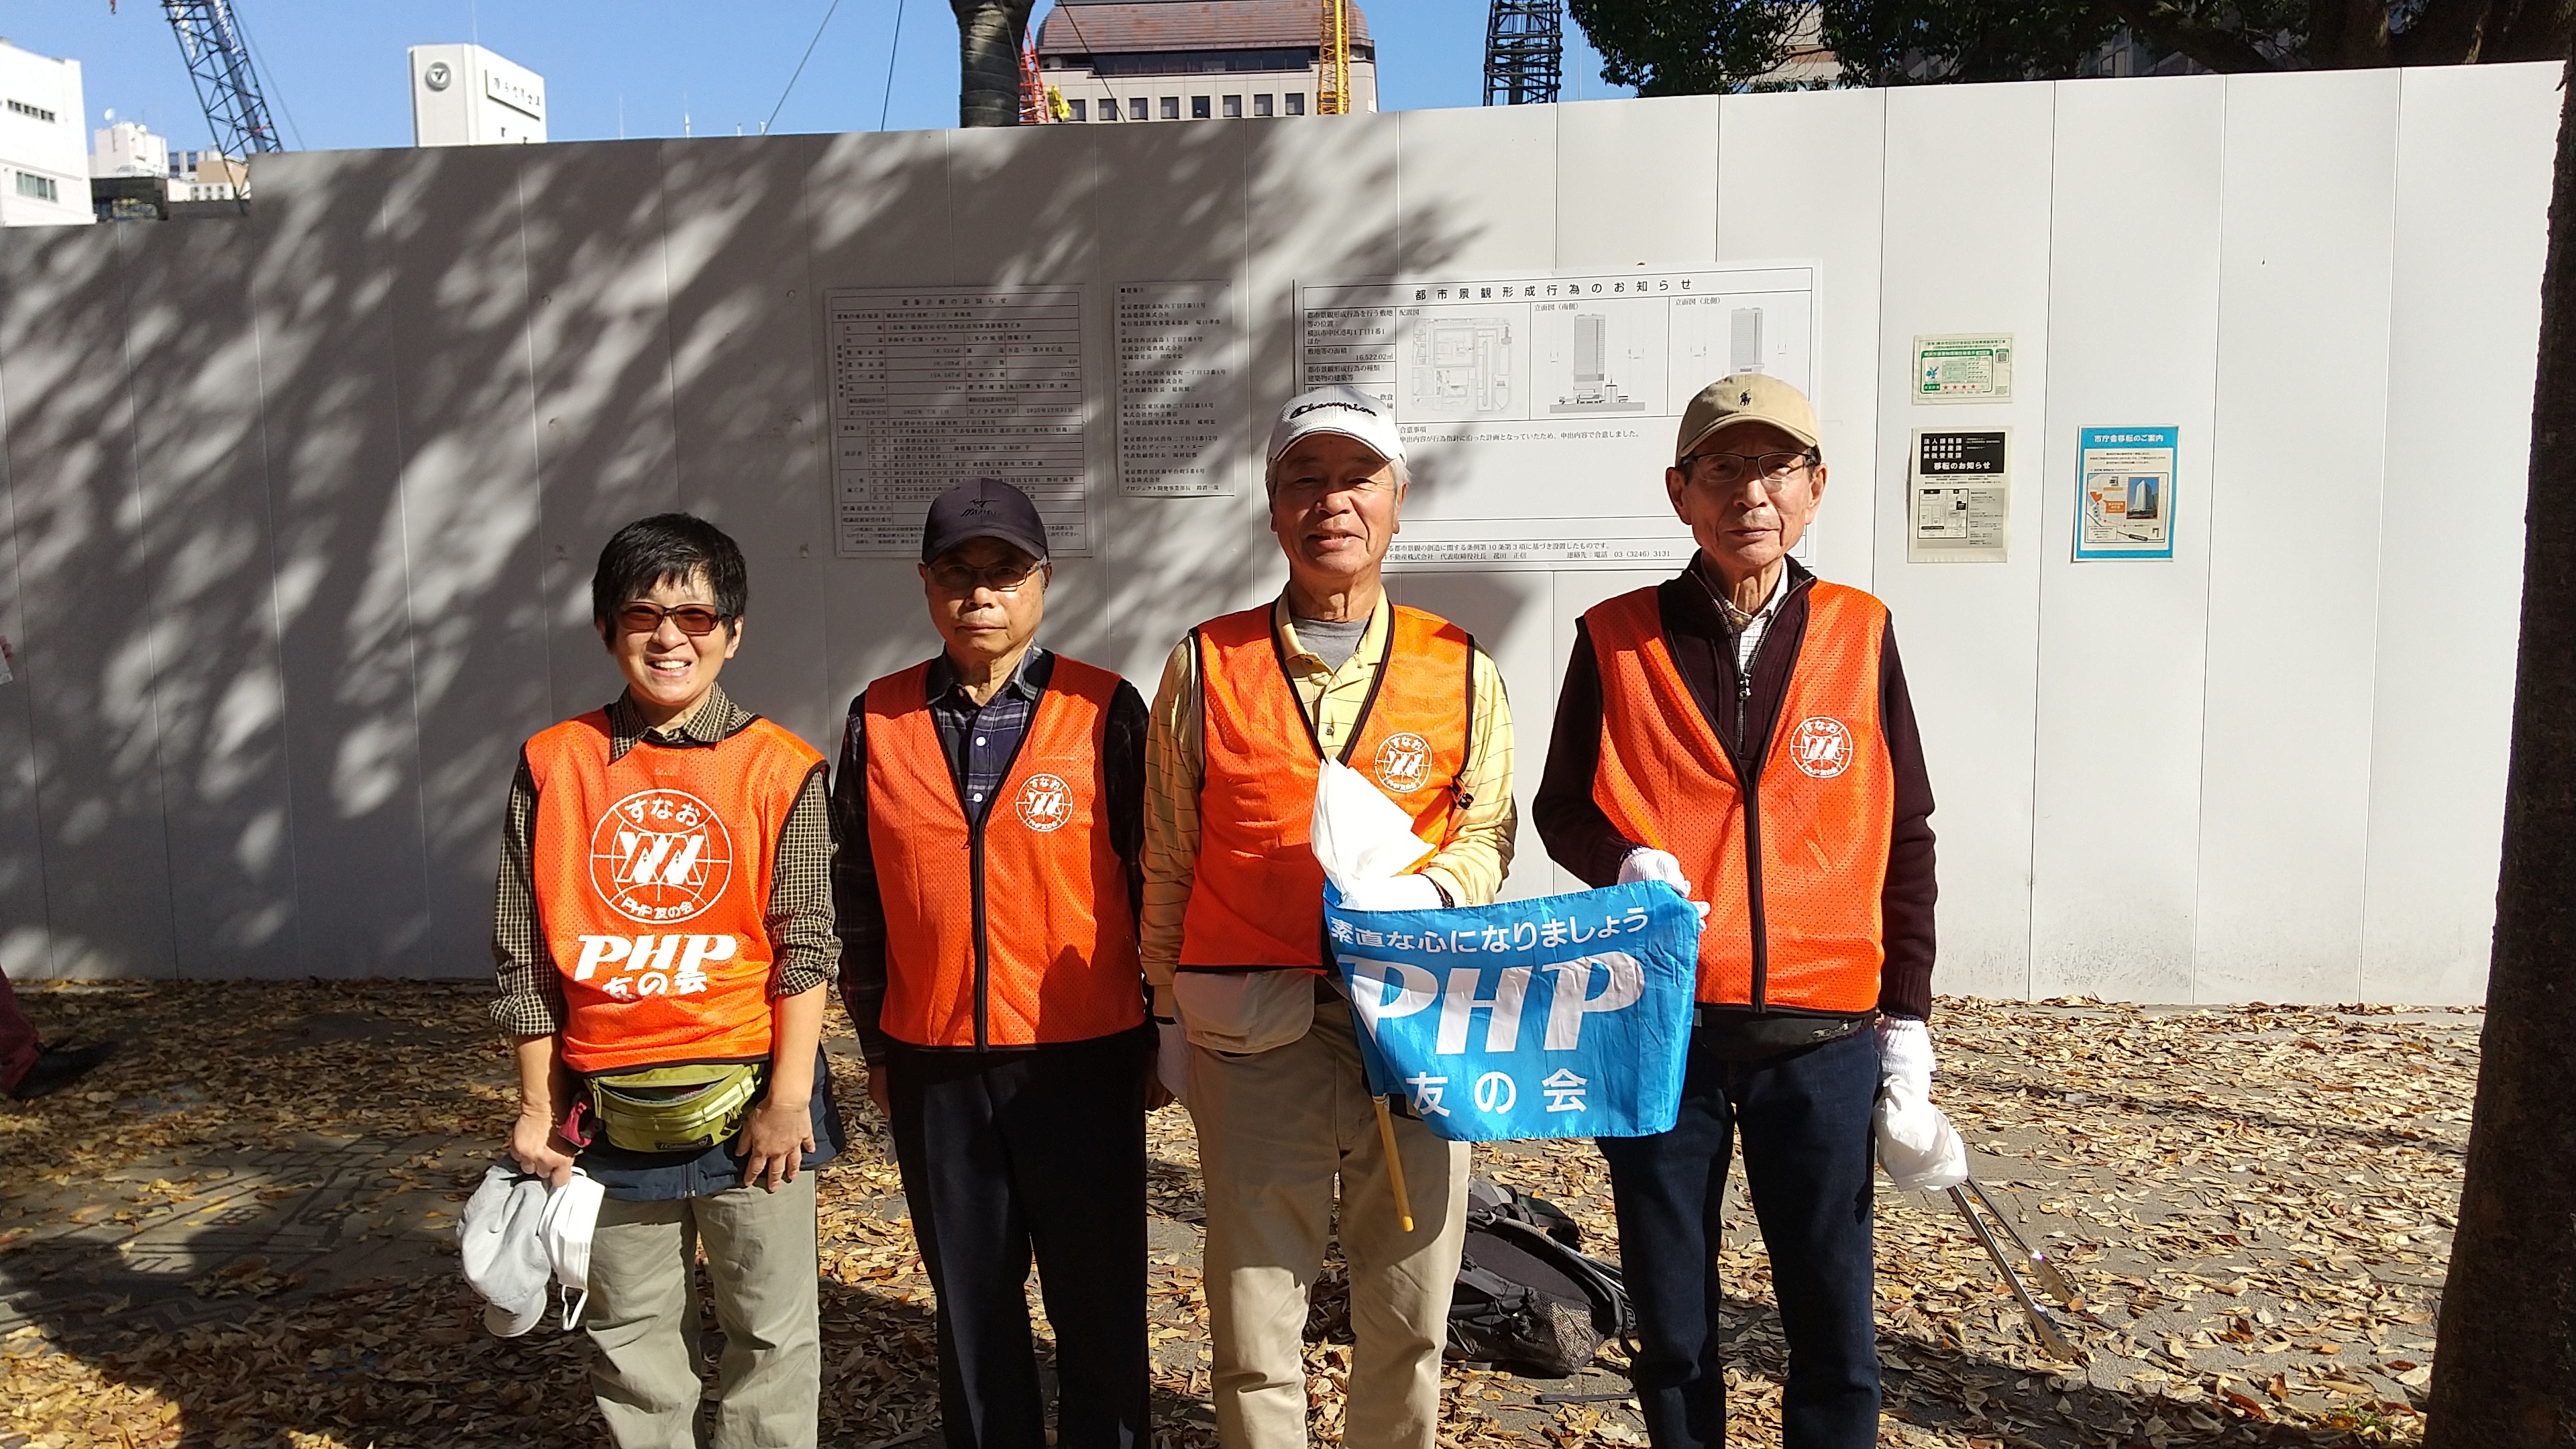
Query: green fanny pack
point(676, 1109)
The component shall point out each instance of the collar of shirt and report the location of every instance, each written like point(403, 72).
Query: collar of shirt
point(1028, 681)
point(1722, 618)
point(717, 719)
point(1306, 662)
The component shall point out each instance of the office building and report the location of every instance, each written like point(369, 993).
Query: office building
point(464, 95)
point(1175, 60)
point(44, 167)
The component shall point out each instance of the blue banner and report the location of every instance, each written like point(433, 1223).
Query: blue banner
point(1563, 1017)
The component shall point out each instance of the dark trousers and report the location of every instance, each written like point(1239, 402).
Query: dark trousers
point(1805, 1120)
point(1008, 1152)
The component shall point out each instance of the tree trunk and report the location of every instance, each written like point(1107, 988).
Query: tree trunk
point(989, 36)
point(2504, 1374)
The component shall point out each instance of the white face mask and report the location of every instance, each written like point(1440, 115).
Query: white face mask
point(571, 1215)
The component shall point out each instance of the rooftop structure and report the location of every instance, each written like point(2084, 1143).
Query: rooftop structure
point(1173, 60)
point(464, 95)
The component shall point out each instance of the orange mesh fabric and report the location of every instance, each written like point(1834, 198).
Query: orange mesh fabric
point(1058, 940)
point(1826, 805)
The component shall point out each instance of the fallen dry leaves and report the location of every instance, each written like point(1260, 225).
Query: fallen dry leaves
point(2256, 1202)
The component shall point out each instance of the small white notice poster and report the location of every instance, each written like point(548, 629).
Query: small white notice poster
point(1181, 377)
point(1961, 496)
point(934, 384)
point(1964, 367)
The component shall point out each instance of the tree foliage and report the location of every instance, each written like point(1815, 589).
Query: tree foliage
point(1688, 47)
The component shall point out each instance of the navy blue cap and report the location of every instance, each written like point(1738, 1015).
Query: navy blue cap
point(983, 508)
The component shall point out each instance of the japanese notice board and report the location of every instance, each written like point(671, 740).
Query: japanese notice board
point(1959, 504)
point(1538, 412)
point(2127, 505)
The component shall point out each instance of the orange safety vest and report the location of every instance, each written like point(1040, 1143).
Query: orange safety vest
point(1016, 930)
point(652, 877)
point(1257, 898)
point(1791, 869)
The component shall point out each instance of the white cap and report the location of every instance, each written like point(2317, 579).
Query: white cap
point(1344, 410)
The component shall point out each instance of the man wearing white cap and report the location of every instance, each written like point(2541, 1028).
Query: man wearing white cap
point(1257, 1039)
point(1743, 731)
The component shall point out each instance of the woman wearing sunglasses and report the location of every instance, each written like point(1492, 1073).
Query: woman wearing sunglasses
point(662, 932)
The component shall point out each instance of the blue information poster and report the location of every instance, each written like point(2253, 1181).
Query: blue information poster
point(2125, 502)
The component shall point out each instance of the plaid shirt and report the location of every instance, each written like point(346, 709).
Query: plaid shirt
point(805, 948)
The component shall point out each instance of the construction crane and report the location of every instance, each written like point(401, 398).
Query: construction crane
point(1333, 87)
point(1524, 52)
point(210, 41)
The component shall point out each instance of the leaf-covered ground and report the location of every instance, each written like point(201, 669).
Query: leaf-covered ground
point(238, 1233)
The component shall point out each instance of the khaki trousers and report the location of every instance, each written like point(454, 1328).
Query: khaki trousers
point(1275, 1129)
point(643, 1317)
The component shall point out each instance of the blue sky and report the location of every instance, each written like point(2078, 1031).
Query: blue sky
point(335, 73)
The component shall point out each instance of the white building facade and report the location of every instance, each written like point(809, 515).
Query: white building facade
point(44, 152)
point(464, 95)
point(1166, 60)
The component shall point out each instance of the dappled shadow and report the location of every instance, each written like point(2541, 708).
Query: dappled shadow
point(302, 506)
point(301, 510)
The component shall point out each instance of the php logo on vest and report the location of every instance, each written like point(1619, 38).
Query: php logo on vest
point(1045, 803)
point(1403, 763)
point(1821, 747)
point(660, 855)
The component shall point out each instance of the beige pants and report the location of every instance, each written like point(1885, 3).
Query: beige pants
point(1275, 1129)
point(643, 1317)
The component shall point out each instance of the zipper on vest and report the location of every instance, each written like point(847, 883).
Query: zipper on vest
point(1749, 771)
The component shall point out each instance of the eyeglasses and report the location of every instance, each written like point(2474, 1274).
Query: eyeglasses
point(1003, 578)
point(1729, 469)
point(695, 620)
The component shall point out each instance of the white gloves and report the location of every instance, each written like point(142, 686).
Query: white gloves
point(1172, 1060)
point(1649, 864)
point(1917, 1146)
point(1393, 893)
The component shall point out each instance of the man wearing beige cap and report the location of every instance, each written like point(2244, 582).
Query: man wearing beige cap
point(1743, 732)
point(1257, 1040)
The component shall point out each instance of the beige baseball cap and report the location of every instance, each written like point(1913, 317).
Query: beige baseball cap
point(1745, 397)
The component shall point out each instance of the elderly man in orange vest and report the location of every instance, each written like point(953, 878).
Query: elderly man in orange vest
point(989, 805)
point(662, 934)
point(1743, 732)
point(1257, 1038)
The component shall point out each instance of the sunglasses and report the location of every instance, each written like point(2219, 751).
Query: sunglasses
point(695, 620)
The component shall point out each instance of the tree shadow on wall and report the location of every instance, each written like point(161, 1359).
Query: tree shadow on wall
point(302, 508)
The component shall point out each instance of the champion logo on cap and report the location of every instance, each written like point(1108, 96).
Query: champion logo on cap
point(1320, 406)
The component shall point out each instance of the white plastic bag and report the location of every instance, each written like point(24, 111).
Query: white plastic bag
point(1359, 834)
point(1916, 1143)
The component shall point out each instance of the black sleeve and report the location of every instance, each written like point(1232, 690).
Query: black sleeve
point(1906, 900)
point(858, 913)
point(1123, 776)
point(1578, 836)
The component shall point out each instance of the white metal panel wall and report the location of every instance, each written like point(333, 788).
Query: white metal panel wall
point(204, 535)
point(322, 290)
point(1964, 248)
point(2450, 562)
point(464, 370)
point(468, 510)
point(88, 655)
point(1801, 176)
point(2294, 521)
point(2133, 340)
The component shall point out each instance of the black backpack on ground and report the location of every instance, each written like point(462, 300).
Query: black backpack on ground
point(1528, 1300)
